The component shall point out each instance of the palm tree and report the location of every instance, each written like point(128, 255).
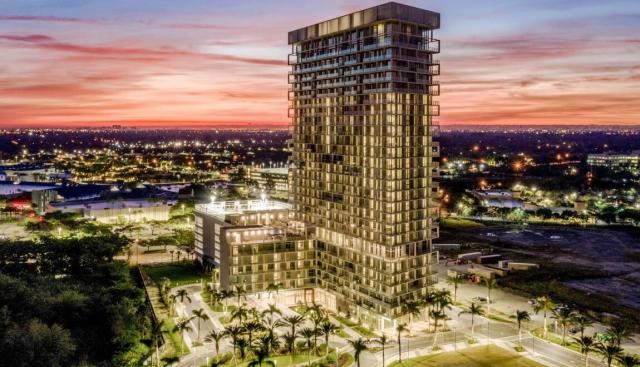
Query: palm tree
point(619, 332)
point(242, 344)
point(293, 322)
point(609, 352)
point(455, 282)
point(271, 311)
point(628, 360)
point(274, 287)
point(213, 295)
point(290, 344)
point(240, 293)
point(359, 345)
point(216, 337)
point(546, 305)
point(436, 315)
point(241, 314)
point(201, 316)
point(490, 283)
point(182, 294)
point(582, 322)
point(156, 336)
point(225, 294)
point(251, 327)
point(401, 328)
point(327, 328)
point(261, 353)
point(308, 334)
point(410, 308)
point(317, 319)
point(564, 317)
point(183, 325)
point(521, 317)
point(587, 345)
point(429, 300)
point(443, 299)
point(383, 341)
point(270, 325)
point(474, 310)
point(235, 333)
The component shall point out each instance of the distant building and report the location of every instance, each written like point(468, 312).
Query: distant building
point(616, 162)
point(277, 178)
point(118, 211)
point(494, 198)
point(32, 173)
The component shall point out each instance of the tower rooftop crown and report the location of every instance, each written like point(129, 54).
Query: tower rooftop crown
point(387, 11)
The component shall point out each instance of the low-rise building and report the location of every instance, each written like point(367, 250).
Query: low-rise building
point(118, 211)
point(617, 162)
point(255, 243)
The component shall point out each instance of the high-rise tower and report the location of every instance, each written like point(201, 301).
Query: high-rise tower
point(362, 88)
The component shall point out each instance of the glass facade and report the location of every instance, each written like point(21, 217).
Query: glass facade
point(362, 107)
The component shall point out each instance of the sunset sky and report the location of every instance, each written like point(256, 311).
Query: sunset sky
point(186, 63)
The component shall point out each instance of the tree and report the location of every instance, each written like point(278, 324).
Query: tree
point(582, 322)
point(410, 308)
point(490, 283)
point(156, 336)
point(183, 325)
point(587, 345)
point(308, 334)
point(609, 352)
point(383, 341)
point(261, 353)
point(225, 294)
point(359, 345)
point(564, 317)
point(546, 305)
point(521, 317)
point(242, 344)
point(240, 293)
point(628, 360)
point(274, 288)
point(216, 337)
point(290, 344)
point(201, 315)
point(619, 332)
point(241, 314)
point(474, 310)
point(182, 294)
point(401, 328)
point(327, 328)
point(436, 315)
point(293, 322)
point(272, 310)
point(252, 327)
point(235, 333)
point(455, 282)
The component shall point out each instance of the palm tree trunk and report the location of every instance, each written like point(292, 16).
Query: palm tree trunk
point(435, 331)
point(399, 350)
point(382, 355)
point(586, 359)
point(544, 332)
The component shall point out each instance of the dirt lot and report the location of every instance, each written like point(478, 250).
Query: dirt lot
point(612, 253)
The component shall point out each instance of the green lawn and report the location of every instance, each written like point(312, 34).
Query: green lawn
point(301, 358)
point(485, 356)
point(179, 273)
point(459, 223)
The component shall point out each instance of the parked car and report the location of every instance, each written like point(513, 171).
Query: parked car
point(479, 299)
